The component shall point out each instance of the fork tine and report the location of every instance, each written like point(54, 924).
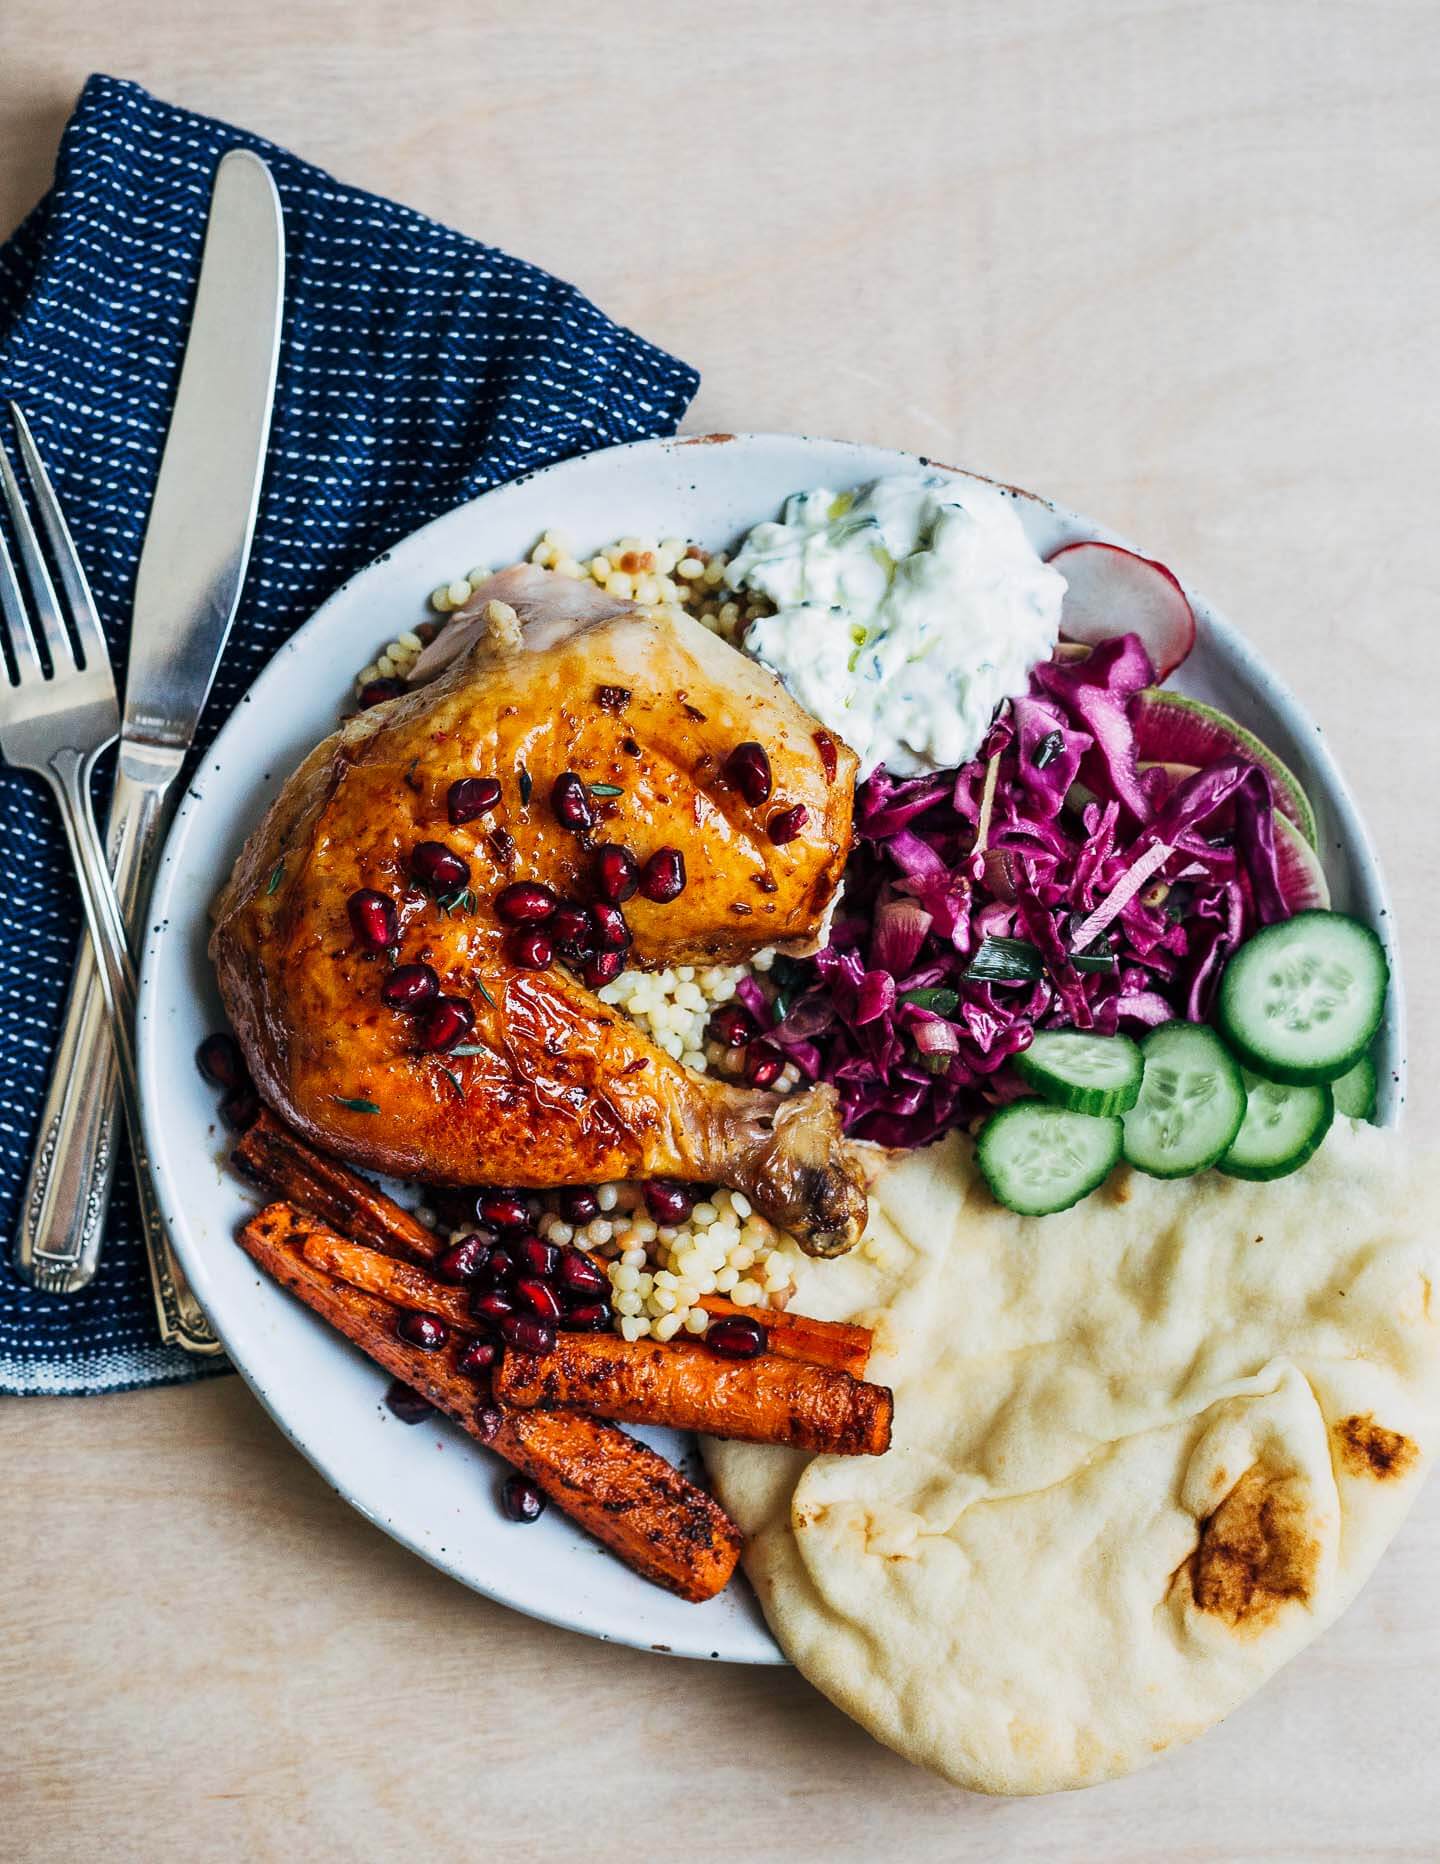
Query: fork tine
point(45, 607)
point(17, 628)
point(83, 616)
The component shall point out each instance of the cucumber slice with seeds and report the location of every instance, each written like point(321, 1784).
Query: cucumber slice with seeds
point(1039, 1159)
point(1282, 1128)
point(1301, 1000)
point(1355, 1091)
point(1192, 1100)
point(1070, 1068)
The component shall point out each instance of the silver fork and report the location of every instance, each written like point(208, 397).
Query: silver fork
point(55, 722)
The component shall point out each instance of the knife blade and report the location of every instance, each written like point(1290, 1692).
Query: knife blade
point(202, 518)
point(191, 572)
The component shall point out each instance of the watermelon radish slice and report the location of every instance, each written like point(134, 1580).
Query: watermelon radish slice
point(1170, 728)
point(1302, 879)
point(1110, 591)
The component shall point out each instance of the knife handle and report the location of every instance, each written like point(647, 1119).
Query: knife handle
point(67, 1192)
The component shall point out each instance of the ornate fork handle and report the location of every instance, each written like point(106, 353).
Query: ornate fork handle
point(66, 1196)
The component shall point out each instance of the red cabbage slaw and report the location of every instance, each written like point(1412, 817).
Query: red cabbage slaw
point(956, 935)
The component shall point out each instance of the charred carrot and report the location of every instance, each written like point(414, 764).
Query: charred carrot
point(685, 1385)
point(836, 1343)
point(350, 1204)
point(625, 1495)
point(340, 1197)
point(401, 1283)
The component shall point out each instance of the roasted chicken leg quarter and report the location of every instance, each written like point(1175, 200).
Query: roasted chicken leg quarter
point(496, 1071)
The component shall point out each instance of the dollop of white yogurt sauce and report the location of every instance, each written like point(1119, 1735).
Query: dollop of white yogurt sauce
point(905, 613)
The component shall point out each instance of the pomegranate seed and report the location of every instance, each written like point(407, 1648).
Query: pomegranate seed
point(373, 918)
point(539, 1297)
point(616, 875)
point(521, 1500)
point(438, 867)
point(612, 698)
point(829, 759)
point(735, 1336)
point(448, 1021)
point(499, 1268)
point(423, 1330)
point(532, 947)
point(573, 930)
point(527, 1334)
point(465, 1261)
point(579, 1204)
point(502, 1210)
point(611, 931)
point(592, 1317)
point(492, 1308)
point(487, 1422)
point(410, 987)
point(571, 802)
point(219, 1059)
point(240, 1108)
point(402, 1402)
point(578, 1275)
point(477, 1358)
point(763, 1065)
point(784, 827)
point(378, 691)
point(469, 797)
point(662, 878)
point(540, 1258)
point(747, 769)
point(525, 902)
point(667, 1201)
point(602, 969)
point(733, 1025)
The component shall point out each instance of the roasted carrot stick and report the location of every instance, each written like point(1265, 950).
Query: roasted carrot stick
point(340, 1197)
point(352, 1205)
point(401, 1283)
point(836, 1343)
point(684, 1384)
point(629, 1498)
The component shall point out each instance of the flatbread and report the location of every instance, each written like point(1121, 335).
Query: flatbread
point(1144, 1452)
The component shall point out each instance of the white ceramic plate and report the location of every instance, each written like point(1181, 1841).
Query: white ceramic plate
point(424, 1484)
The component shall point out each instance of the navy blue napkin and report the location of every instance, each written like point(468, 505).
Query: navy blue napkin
point(417, 369)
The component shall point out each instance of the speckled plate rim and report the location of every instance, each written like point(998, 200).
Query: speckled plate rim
point(321, 1392)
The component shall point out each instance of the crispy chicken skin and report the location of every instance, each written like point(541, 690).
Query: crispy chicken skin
point(561, 1089)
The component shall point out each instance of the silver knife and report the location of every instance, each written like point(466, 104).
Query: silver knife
point(192, 568)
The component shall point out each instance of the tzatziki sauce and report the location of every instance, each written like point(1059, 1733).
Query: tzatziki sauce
point(905, 613)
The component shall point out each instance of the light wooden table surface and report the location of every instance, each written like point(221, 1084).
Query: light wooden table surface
point(1174, 264)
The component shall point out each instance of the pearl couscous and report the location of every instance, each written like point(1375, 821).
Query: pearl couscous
point(658, 1272)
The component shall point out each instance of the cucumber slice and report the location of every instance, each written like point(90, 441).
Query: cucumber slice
point(1192, 1100)
point(1355, 1091)
point(1087, 1074)
point(1282, 1128)
point(1301, 1000)
point(1038, 1159)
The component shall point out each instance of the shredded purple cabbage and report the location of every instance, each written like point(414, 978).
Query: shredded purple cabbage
point(887, 1012)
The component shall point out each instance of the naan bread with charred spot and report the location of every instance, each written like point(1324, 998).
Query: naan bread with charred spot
point(1144, 1452)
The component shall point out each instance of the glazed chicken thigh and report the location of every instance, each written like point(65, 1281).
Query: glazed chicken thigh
point(530, 1079)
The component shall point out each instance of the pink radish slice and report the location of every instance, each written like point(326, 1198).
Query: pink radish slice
point(1110, 591)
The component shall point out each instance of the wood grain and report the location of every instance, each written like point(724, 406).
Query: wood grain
point(1175, 264)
